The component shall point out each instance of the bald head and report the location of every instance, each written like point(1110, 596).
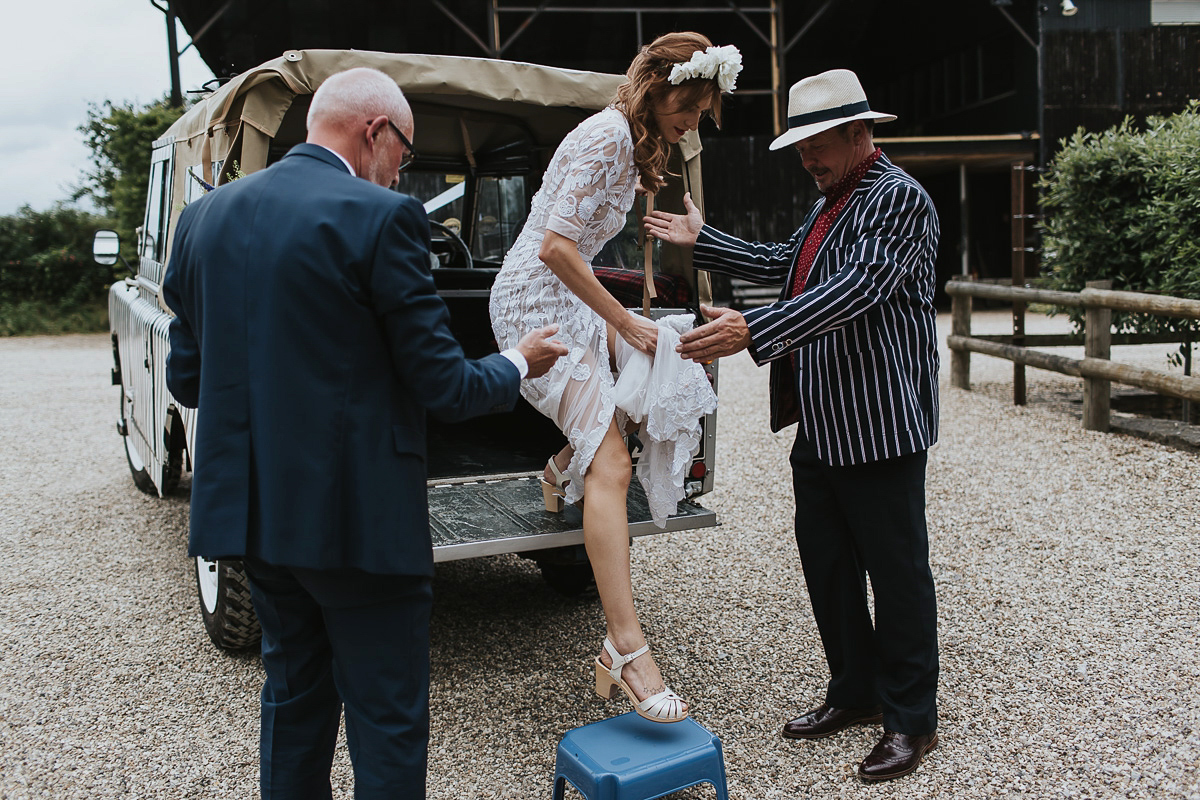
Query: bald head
point(357, 94)
point(350, 114)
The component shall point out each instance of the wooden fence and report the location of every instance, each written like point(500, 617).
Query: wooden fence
point(1096, 368)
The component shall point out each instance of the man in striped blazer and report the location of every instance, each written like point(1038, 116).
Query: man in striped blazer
point(853, 353)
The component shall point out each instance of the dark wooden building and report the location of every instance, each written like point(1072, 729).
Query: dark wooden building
point(1116, 58)
point(973, 82)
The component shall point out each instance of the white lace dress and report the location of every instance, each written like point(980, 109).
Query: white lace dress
point(586, 192)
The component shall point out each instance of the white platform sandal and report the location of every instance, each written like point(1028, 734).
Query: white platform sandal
point(666, 706)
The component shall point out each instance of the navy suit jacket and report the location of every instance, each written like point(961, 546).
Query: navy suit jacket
point(854, 358)
point(309, 334)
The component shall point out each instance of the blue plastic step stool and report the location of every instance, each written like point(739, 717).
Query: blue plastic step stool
point(630, 758)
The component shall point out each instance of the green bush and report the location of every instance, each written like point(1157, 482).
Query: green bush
point(49, 282)
point(32, 317)
point(1124, 205)
point(47, 257)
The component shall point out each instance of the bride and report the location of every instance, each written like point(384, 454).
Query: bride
point(547, 278)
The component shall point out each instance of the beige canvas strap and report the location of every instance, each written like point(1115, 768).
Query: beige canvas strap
point(466, 137)
point(648, 292)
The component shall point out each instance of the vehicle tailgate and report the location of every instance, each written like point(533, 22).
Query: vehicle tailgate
point(469, 519)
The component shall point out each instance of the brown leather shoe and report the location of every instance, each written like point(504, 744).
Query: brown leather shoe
point(825, 720)
point(896, 754)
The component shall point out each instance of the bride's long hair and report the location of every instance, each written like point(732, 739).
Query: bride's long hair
point(647, 88)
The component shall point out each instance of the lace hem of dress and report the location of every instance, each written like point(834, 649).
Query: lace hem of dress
point(667, 396)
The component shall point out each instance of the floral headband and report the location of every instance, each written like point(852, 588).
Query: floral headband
point(720, 63)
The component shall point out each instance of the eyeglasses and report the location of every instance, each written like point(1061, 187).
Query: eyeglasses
point(411, 155)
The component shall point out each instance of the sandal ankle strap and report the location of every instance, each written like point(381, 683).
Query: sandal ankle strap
point(560, 480)
point(618, 660)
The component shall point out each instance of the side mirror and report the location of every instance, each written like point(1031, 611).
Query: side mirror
point(106, 248)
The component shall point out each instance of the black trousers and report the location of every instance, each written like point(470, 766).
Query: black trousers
point(869, 520)
point(334, 638)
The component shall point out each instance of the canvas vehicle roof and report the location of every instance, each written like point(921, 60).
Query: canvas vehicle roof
point(465, 109)
point(242, 115)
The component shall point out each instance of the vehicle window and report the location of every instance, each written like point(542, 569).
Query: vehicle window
point(501, 205)
point(154, 235)
point(442, 195)
point(622, 250)
point(502, 208)
point(192, 187)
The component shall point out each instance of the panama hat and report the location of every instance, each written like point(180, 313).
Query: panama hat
point(824, 101)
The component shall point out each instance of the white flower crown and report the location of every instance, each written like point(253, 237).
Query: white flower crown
point(720, 63)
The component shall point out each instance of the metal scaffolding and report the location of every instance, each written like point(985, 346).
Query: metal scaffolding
point(765, 20)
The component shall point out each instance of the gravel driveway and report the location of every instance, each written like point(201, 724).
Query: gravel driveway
point(1066, 565)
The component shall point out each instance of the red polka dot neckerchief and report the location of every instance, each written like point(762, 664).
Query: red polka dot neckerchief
point(835, 201)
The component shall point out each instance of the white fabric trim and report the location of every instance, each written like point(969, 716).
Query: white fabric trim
point(518, 361)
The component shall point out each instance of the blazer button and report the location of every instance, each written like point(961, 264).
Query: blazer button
point(777, 346)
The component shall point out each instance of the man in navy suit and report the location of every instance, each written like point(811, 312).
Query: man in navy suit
point(853, 353)
point(309, 334)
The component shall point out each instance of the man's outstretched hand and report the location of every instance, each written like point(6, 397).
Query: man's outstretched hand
point(726, 334)
point(679, 229)
point(540, 350)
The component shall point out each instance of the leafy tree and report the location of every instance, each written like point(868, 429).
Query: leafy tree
point(1124, 204)
point(120, 137)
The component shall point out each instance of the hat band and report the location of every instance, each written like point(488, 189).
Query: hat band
point(826, 114)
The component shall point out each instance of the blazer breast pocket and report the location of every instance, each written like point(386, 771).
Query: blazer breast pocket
point(835, 259)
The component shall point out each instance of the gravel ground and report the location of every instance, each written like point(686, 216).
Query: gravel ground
point(1065, 562)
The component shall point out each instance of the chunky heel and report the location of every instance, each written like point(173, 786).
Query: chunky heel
point(554, 497)
point(606, 687)
point(554, 494)
point(666, 706)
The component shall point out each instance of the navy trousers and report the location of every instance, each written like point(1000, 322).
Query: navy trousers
point(869, 520)
point(334, 638)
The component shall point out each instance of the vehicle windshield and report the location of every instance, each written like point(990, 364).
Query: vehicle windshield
point(502, 206)
point(500, 203)
point(441, 193)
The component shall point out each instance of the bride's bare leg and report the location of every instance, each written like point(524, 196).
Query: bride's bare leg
point(606, 537)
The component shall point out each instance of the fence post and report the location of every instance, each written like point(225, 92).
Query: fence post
point(1018, 275)
point(1097, 343)
point(1186, 410)
point(960, 325)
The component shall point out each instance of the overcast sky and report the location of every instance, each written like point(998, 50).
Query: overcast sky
point(56, 56)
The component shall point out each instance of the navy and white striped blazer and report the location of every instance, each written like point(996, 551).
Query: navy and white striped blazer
point(863, 330)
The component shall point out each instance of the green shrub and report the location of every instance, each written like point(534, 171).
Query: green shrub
point(49, 282)
point(46, 257)
point(1124, 205)
point(32, 317)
